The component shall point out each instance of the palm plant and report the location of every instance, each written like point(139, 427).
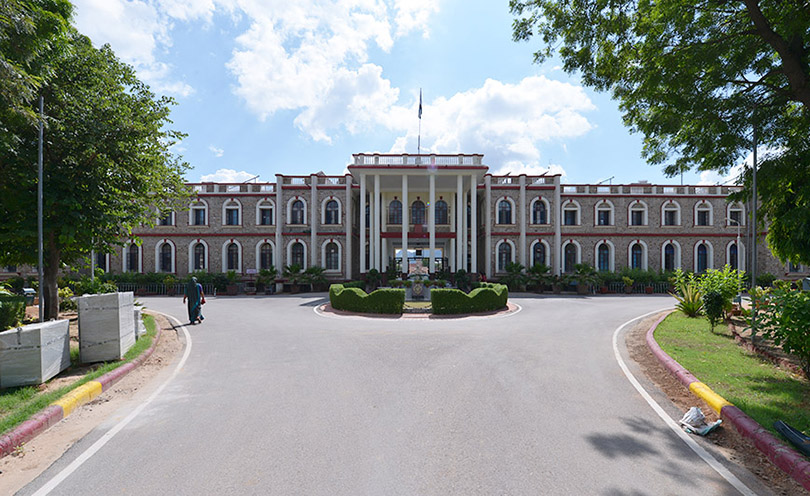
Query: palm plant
point(315, 277)
point(514, 278)
point(690, 301)
point(584, 276)
point(539, 275)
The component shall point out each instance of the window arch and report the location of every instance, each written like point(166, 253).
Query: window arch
point(265, 212)
point(637, 213)
point(395, 212)
point(102, 261)
point(418, 212)
point(670, 213)
point(506, 254)
point(604, 213)
point(505, 208)
point(539, 211)
point(198, 213)
point(540, 253)
point(265, 254)
point(704, 254)
point(166, 217)
point(670, 255)
point(331, 211)
point(637, 255)
point(441, 212)
point(571, 255)
point(133, 261)
point(198, 256)
point(571, 213)
point(330, 255)
point(605, 258)
point(164, 256)
point(735, 255)
point(297, 253)
point(735, 214)
point(232, 256)
point(704, 213)
point(297, 211)
point(232, 212)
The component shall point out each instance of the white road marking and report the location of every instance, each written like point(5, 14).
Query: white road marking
point(698, 449)
point(89, 452)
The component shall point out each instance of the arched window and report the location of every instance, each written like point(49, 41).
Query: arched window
point(395, 212)
point(297, 254)
point(264, 213)
point(671, 214)
point(199, 256)
point(702, 258)
point(539, 212)
point(638, 214)
point(733, 256)
point(736, 214)
point(133, 256)
point(232, 260)
point(504, 212)
point(637, 256)
point(539, 254)
point(231, 214)
point(504, 255)
point(604, 214)
point(604, 257)
point(265, 256)
point(571, 213)
point(166, 258)
point(669, 257)
point(297, 212)
point(703, 214)
point(569, 257)
point(418, 212)
point(441, 212)
point(332, 256)
point(198, 214)
point(332, 212)
point(101, 261)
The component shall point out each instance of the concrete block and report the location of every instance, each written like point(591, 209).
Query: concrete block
point(106, 326)
point(34, 353)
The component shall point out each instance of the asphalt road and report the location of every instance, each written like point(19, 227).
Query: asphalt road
point(276, 399)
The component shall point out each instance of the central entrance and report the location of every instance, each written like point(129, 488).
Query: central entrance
point(417, 260)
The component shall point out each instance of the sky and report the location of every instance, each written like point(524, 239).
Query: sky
point(297, 86)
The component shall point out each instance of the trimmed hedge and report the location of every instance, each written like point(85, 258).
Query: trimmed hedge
point(356, 300)
point(485, 298)
point(12, 311)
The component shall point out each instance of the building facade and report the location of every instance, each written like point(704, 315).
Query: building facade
point(443, 212)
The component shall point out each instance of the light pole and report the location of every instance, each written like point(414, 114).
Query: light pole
point(737, 257)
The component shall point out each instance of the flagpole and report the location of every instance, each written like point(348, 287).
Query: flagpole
point(419, 136)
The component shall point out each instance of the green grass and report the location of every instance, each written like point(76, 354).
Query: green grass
point(759, 388)
point(417, 304)
point(18, 404)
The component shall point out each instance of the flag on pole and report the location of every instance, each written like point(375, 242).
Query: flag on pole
point(420, 103)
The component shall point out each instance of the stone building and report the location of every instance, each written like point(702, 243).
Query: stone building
point(430, 212)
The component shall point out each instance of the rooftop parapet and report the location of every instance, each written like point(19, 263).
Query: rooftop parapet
point(405, 159)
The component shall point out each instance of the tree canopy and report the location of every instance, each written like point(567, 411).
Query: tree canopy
point(107, 163)
point(693, 76)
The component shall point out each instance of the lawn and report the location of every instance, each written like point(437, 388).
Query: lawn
point(18, 404)
point(759, 388)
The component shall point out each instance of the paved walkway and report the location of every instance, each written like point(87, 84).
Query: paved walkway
point(276, 399)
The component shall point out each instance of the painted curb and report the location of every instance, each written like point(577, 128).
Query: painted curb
point(781, 455)
point(65, 405)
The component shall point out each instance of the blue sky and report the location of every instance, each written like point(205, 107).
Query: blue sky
point(297, 86)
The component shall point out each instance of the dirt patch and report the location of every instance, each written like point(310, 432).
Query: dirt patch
point(33, 458)
point(735, 447)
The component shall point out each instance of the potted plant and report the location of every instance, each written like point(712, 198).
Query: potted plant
point(314, 276)
point(648, 288)
point(584, 277)
point(628, 284)
point(603, 282)
point(292, 273)
point(171, 285)
point(515, 279)
point(266, 279)
point(539, 276)
point(231, 288)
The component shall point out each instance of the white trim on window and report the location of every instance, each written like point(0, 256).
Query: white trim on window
point(265, 203)
point(197, 204)
point(735, 206)
point(709, 254)
point(531, 211)
point(206, 252)
point(340, 255)
point(126, 256)
point(665, 206)
point(259, 252)
point(547, 261)
point(562, 252)
point(604, 204)
point(229, 203)
point(158, 246)
point(644, 216)
point(700, 206)
point(612, 252)
point(289, 252)
point(323, 211)
point(644, 253)
point(512, 212)
point(497, 253)
point(677, 247)
point(740, 254)
point(289, 210)
point(238, 269)
point(576, 206)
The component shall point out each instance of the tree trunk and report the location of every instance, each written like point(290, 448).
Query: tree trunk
point(50, 288)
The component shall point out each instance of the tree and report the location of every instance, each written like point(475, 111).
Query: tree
point(107, 164)
point(693, 77)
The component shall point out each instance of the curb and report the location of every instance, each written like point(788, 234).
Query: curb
point(781, 455)
point(65, 405)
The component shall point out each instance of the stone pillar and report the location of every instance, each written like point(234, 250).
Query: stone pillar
point(363, 267)
point(473, 223)
point(488, 225)
point(314, 220)
point(432, 222)
point(347, 222)
point(556, 263)
point(377, 237)
point(405, 223)
point(522, 220)
point(459, 251)
point(281, 213)
point(464, 245)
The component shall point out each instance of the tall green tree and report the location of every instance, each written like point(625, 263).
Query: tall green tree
point(108, 164)
point(693, 76)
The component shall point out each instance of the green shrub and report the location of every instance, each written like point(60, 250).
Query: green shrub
point(387, 300)
point(12, 311)
point(687, 292)
point(765, 280)
point(727, 282)
point(355, 284)
point(514, 277)
point(485, 298)
point(66, 302)
point(785, 314)
point(713, 305)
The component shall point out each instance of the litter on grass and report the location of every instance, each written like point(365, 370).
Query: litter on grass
point(694, 421)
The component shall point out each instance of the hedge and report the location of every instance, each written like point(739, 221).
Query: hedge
point(486, 298)
point(356, 300)
point(12, 311)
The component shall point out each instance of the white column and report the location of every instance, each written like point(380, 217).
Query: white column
point(459, 223)
point(314, 210)
point(454, 259)
point(464, 244)
point(557, 262)
point(432, 222)
point(488, 225)
point(281, 213)
point(522, 217)
point(473, 223)
point(347, 221)
point(405, 221)
point(363, 267)
point(384, 253)
point(377, 236)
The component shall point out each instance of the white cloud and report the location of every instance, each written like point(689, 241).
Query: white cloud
point(518, 168)
point(218, 152)
point(227, 176)
point(414, 15)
